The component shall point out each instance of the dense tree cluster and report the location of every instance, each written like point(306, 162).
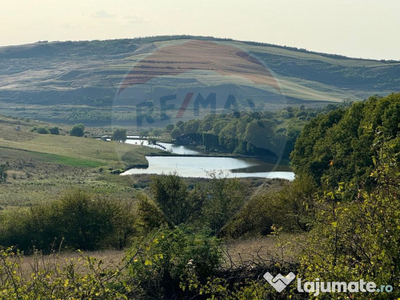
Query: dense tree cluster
point(359, 239)
point(339, 146)
point(268, 134)
point(212, 205)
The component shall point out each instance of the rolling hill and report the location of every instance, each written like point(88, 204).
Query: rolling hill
point(73, 82)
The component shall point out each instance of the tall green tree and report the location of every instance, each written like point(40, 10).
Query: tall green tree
point(172, 196)
point(225, 198)
point(175, 133)
point(119, 135)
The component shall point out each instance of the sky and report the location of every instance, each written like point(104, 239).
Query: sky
point(355, 28)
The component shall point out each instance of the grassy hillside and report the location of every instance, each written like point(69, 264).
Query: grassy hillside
point(68, 150)
point(42, 166)
point(79, 80)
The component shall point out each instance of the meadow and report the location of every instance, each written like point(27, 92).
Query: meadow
point(43, 165)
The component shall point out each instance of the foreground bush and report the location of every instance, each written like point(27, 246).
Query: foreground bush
point(164, 261)
point(160, 266)
point(88, 280)
point(360, 239)
point(169, 264)
point(290, 208)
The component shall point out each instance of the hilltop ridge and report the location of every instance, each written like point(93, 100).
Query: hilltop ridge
point(66, 81)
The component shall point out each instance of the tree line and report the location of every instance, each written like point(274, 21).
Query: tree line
point(265, 134)
point(340, 146)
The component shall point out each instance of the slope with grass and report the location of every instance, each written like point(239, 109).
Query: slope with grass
point(41, 166)
point(77, 81)
point(68, 150)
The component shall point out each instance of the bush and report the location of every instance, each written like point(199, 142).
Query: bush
point(172, 196)
point(212, 205)
point(119, 135)
point(160, 266)
point(164, 261)
point(291, 209)
point(3, 172)
point(54, 130)
point(45, 279)
point(42, 130)
point(359, 239)
point(77, 130)
point(225, 199)
point(78, 221)
point(150, 217)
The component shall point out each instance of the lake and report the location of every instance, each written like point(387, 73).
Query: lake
point(189, 165)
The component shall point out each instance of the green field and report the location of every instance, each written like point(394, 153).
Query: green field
point(43, 166)
point(68, 150)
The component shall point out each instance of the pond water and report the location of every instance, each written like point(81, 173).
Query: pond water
point(189, 165)
point(176, 149)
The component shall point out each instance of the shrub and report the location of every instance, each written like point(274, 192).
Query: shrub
point(77, 130)
point(291, 209)
point(3, 172)
point(42, 130)
point(359, 239)
point(45, 279)
point(119, 135)
point(150, 217)
point(172, 196)
point(225, 199)
point(54, 130)
point(78, 220)
point(164, 260)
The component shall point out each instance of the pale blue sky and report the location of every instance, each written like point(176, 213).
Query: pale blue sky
point(356, 28)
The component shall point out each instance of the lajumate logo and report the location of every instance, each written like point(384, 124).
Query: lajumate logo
point(190, 79)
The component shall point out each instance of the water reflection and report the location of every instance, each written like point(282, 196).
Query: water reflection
point(200, 167)
point(176, 149)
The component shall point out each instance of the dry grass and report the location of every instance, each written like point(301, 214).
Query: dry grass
point(238, 253)
point(31, 180)
point(268, 249)
point(38, 182)
point(31, 264)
